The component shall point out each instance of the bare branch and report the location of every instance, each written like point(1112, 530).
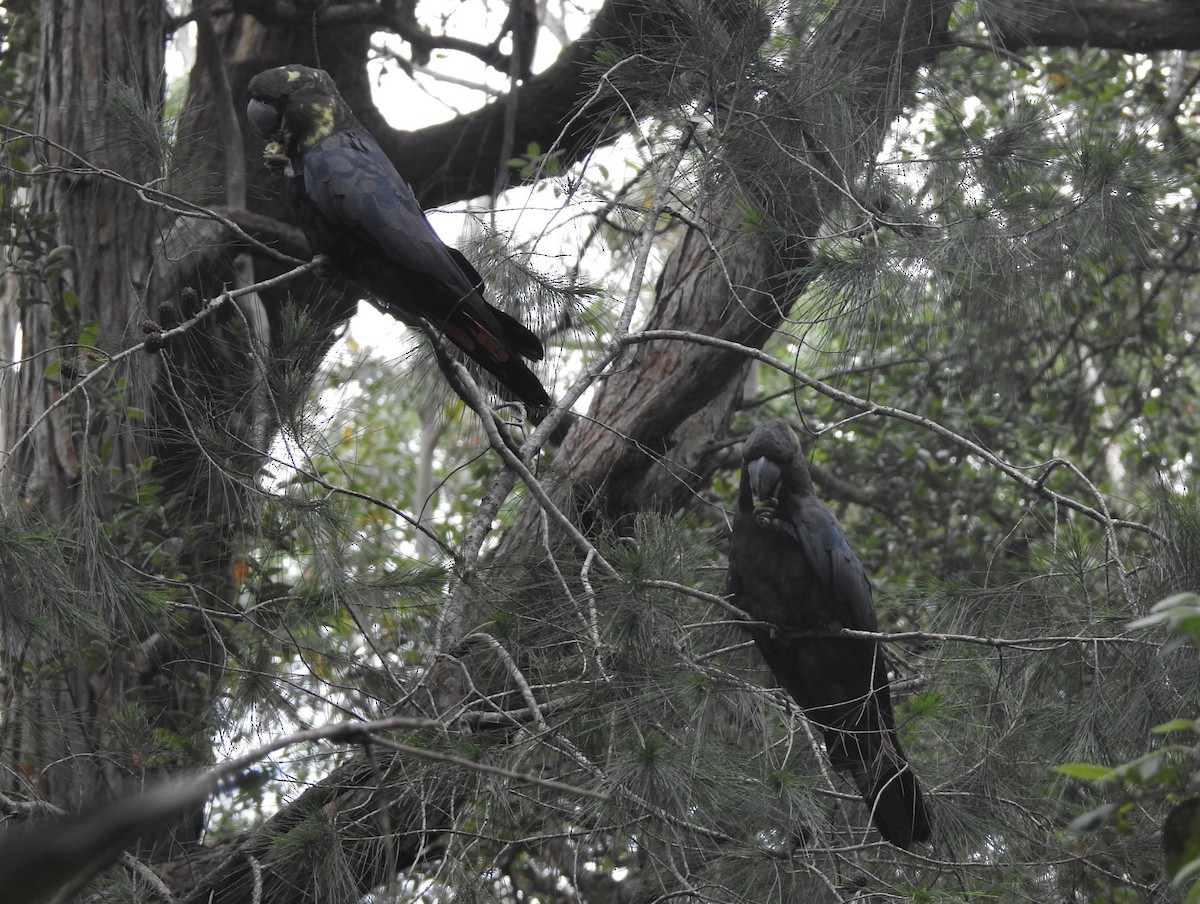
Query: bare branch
point(867, 408)
point(146, 190)
point(1039, 643)
point(1115, 24)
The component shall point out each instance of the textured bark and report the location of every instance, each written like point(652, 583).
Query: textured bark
point(447, 162)
point(727, 281)
point(73, 463)
point(107, 268)
point(1134, 27)
point(719, 281)
point(213, 408)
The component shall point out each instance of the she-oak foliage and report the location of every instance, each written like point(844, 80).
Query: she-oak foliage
point(981, 256)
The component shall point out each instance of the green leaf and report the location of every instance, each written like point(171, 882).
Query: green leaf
point(58, 256)
point(1176, 725)
point(1087, 771)
point(89, 334)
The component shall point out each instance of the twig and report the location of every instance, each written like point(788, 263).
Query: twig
point(449, 626)
point(522, 777)
point(335, 489)
point(145, 190)
point(744, 619)
point(1110, 535)
point(593, 619)
point(491, 425)
point(865, 407)
point(257, 877)
point(157, 338)
point(147, 875)
point(588, 619)
point(629, 305)
point(514, 672)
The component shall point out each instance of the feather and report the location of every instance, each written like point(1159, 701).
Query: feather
point(791, 565)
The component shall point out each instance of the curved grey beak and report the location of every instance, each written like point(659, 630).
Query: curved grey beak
point(264, 118)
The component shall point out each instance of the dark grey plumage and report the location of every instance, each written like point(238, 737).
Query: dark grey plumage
point(791, 565)
point(356, 210)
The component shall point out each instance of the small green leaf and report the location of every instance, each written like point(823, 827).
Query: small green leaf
point(89, 335)
point(1087, 771)
point(58, 255)
point(1176, 725)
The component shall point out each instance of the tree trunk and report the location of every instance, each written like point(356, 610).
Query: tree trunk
point(105, 256)
point(737, 283)
point(77, 452)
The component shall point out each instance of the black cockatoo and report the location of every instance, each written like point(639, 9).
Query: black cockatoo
point(357, 211)
point(790, 565)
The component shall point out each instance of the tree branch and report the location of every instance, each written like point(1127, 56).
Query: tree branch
point(865, 407)
point(1126, 25)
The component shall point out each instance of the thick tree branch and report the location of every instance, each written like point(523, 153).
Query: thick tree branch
point(1136, 27)
point(458, 159)
point(1036, 485)
point(737, 284)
